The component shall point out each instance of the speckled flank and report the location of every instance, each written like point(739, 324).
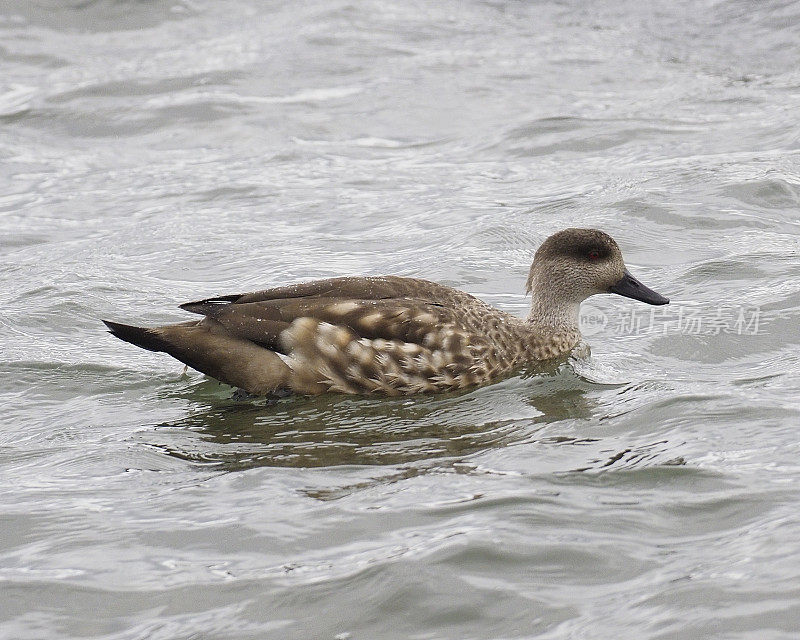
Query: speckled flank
point(324, 356)
point(407, 345)
point(388, 335)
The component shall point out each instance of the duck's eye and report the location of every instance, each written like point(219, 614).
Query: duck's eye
point(593, 254)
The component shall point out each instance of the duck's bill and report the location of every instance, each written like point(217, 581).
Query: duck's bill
point(630, 287)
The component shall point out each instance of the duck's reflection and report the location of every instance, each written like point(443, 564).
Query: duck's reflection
point(330, 431)
point(559, 395)
point(333, 430)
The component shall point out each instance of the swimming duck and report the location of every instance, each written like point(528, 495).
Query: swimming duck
point(392, 335)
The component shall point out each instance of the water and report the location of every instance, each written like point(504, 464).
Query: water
point(158, 152)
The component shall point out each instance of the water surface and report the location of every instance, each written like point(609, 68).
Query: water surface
point(158, 152)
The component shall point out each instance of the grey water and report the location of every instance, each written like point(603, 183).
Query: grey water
point(157, 152)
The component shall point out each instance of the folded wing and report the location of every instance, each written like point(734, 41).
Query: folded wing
point(391, 308)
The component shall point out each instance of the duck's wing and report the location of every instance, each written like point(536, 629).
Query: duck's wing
point(347, 288)
point(390, 308)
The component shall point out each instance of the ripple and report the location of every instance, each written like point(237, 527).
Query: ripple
point(159, 152)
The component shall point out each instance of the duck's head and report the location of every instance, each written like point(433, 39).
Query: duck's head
point(574, 264)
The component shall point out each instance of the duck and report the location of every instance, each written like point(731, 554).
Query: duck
point(392, 335)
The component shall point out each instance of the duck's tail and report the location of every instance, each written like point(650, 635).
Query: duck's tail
point(206, 346)
point(145, 338)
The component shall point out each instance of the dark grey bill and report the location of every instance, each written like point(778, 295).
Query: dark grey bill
point(630, 287)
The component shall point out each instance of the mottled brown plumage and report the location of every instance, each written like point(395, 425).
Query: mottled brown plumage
point(392, 335)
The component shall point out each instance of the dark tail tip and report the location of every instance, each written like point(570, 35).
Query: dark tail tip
point(144, 338)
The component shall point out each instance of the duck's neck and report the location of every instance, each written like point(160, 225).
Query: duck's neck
point(551, 316)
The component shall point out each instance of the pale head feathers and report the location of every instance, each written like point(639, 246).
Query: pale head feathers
point(573, 264)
